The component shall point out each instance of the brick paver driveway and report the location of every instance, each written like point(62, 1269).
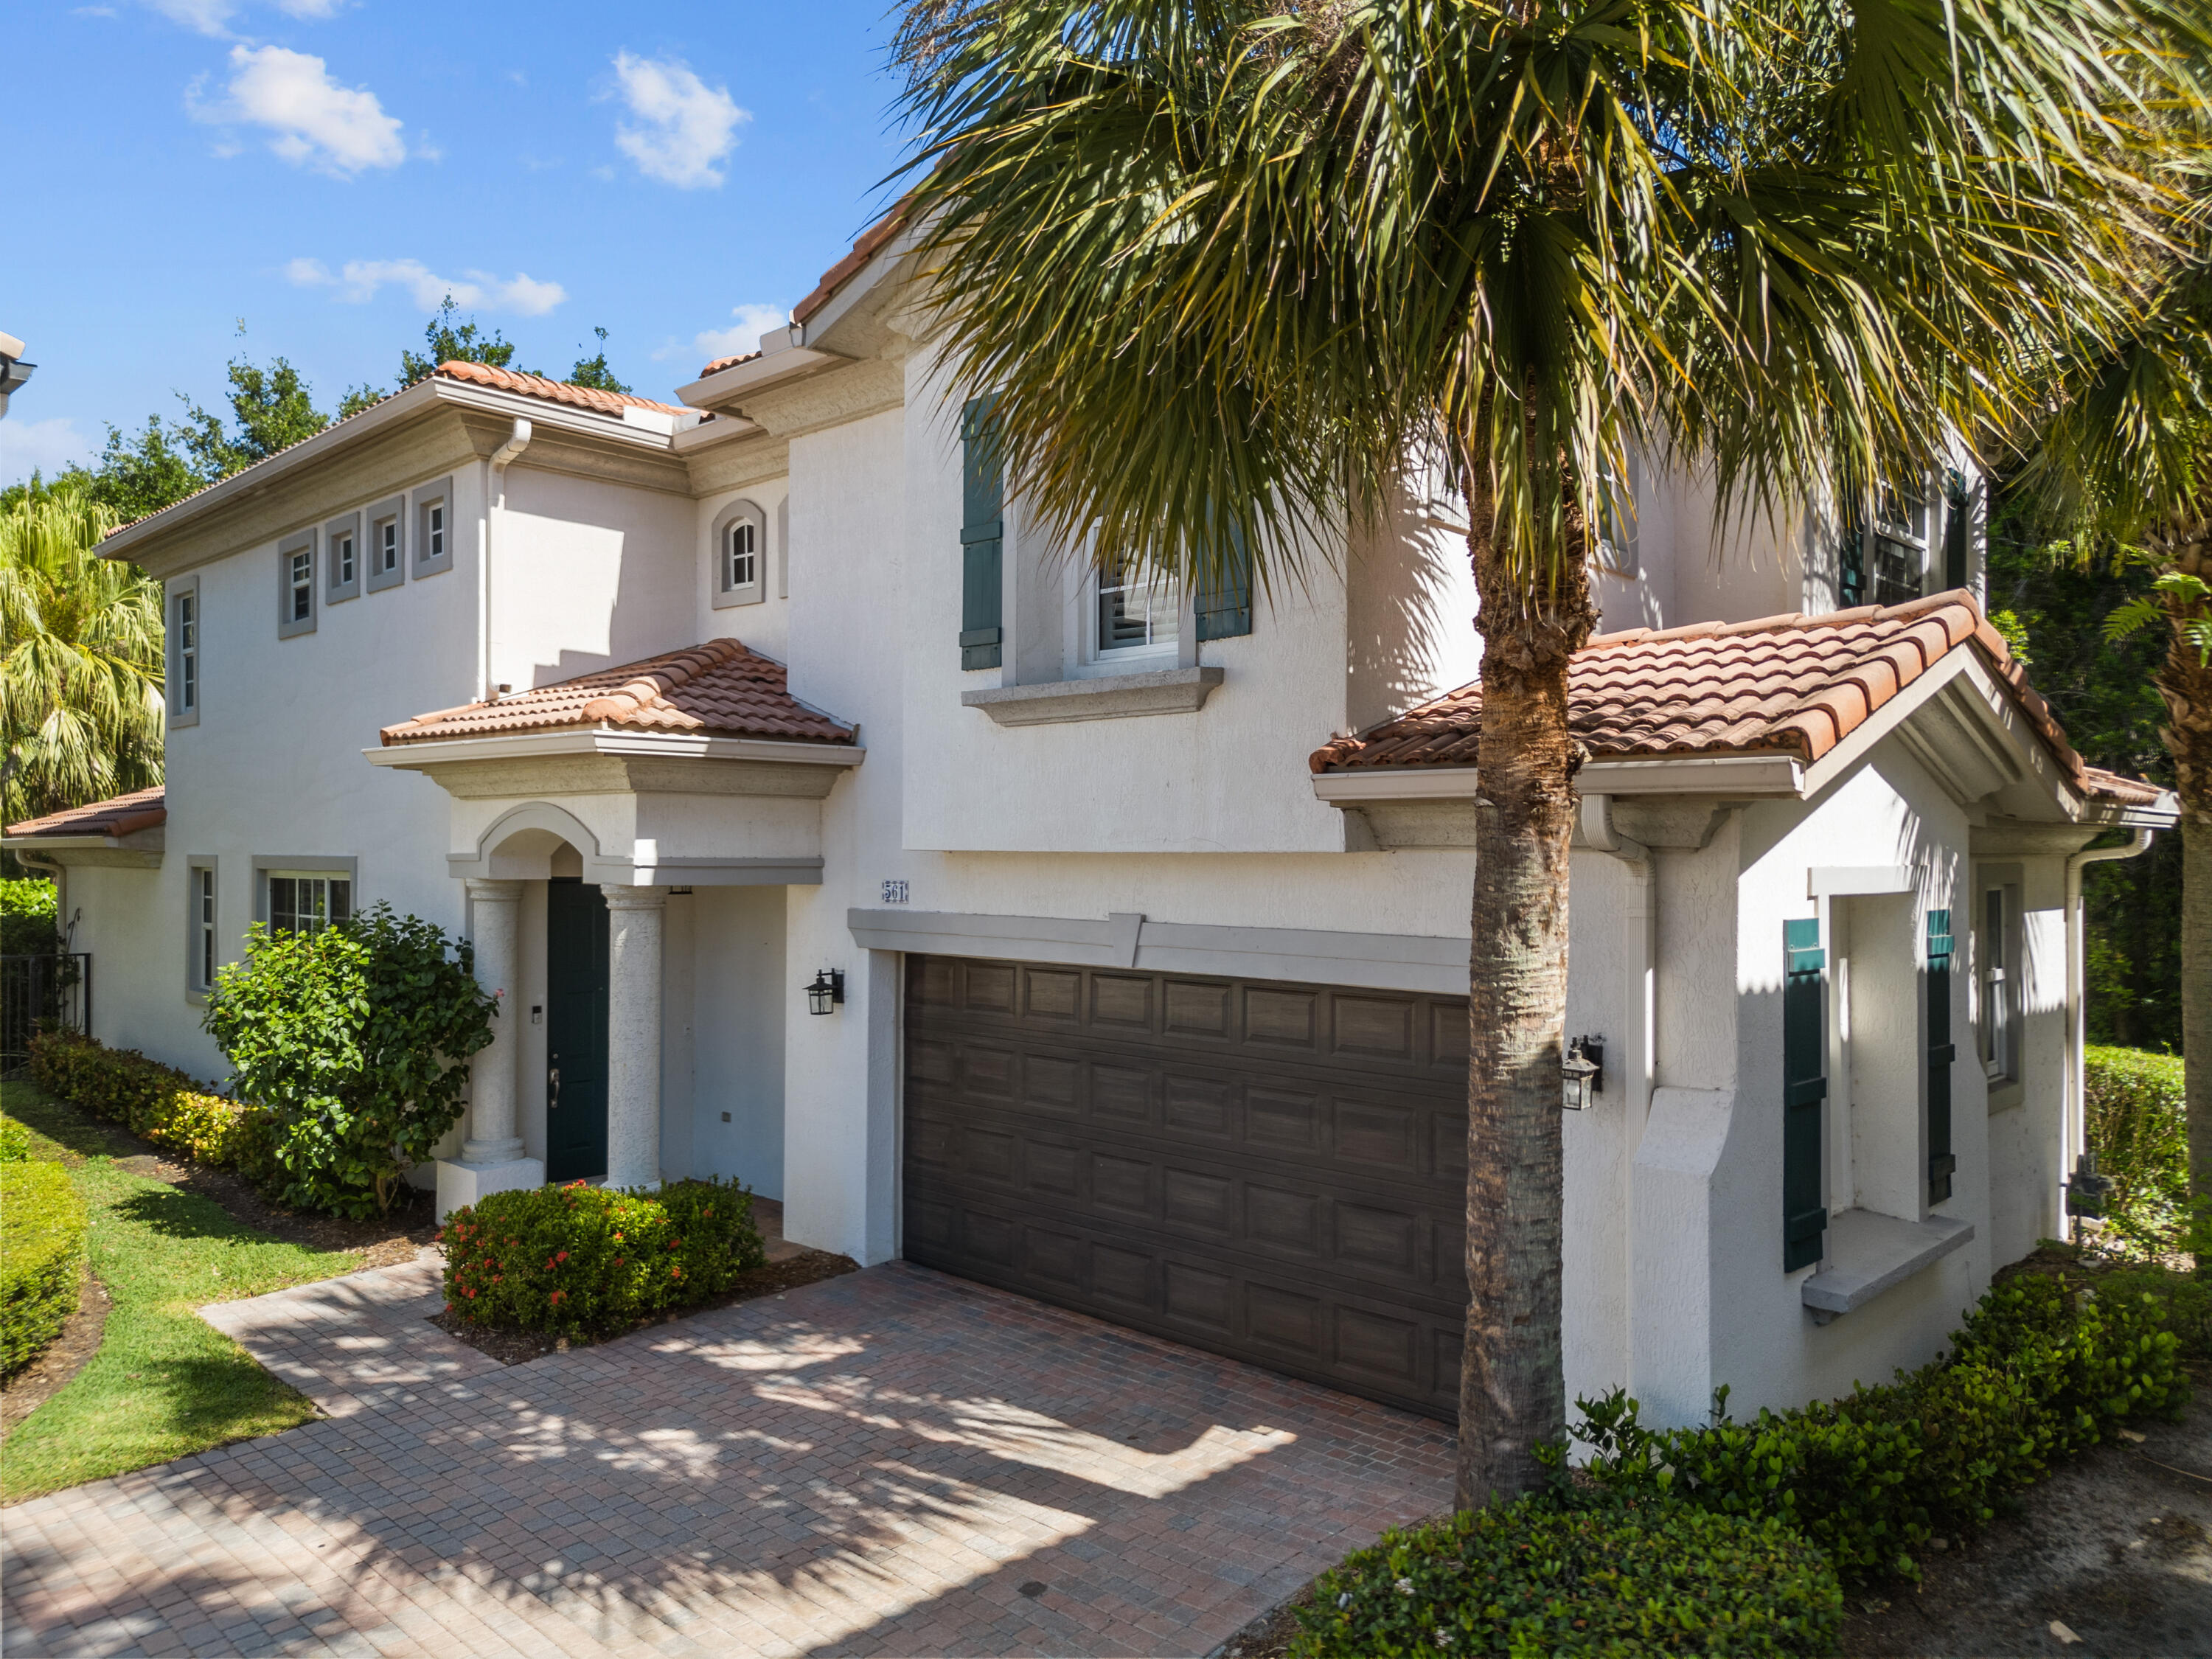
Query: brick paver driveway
point(892, 1462)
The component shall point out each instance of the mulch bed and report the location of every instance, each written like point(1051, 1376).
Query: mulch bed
point(59, 1360)
point(519, 1347)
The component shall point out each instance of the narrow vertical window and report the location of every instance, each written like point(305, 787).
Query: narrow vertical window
point(388, 546)
point(744, 567)
point(303, 586)
point(1804, 1092)
point(345, 559)
point(437, 539)
point(204, 920)
point(188, 653)
point(1942, 1162)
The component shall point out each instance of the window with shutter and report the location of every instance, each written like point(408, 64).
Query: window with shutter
point(1804, 1088)
point(1940, 1053)
point(982, 536)
point(1225, 594)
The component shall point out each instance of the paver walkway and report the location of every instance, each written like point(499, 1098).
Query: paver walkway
point(890, 1462)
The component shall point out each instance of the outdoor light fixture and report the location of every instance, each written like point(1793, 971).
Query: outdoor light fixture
point(827, 990)
point(1581, 1073)
point(2086, 1192)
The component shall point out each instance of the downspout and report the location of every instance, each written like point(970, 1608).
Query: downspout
point(1639, 1045)
point(494, 496)
point(2074, 1110)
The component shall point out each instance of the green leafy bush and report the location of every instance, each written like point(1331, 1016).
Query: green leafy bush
point(15, 1141)
point(28, 926)
point(2138, 1126)
point(2043, 1368)
point(41, 1258)
point(356, 1039)
point(155, 1103)
point(579, 1261)
point(1546, 1576)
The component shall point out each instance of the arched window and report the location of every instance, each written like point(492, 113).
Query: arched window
point(740, 555)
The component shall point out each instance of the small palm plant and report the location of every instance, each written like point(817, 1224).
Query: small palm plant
point(1230, 269)
point(81, 660)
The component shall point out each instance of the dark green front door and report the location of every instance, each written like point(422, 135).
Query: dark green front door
point(575, 1030)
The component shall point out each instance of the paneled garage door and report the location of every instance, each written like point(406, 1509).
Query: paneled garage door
point(1275, 1172)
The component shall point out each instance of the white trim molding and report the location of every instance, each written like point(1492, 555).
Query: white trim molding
point(1100, 697)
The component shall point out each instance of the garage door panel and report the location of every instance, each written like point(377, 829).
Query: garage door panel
point(1275, 1172)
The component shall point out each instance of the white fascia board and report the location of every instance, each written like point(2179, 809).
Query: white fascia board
point(602, 740)
point(720, 429)
point(416, 400)
point(1395, 783)
point(1732, 775)
point(758, 371)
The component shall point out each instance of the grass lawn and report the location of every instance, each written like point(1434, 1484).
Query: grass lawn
point(165, 1382)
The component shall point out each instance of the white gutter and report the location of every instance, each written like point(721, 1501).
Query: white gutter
point(495, 501)
point(2075, 1121)
point(1639, 1046)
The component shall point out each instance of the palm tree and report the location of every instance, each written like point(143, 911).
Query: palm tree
point(1228, 270)
point(2122, 460)
point(80, 660)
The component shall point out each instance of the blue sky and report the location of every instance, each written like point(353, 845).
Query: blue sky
point(326, 169)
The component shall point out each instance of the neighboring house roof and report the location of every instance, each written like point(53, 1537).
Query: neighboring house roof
point(718, 689)
point(142, 808)
point(1792, 683)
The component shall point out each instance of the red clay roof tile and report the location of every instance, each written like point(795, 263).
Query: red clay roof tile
point(555, 392)
point(717, 689)
point(1795, 684)
point(123, 815)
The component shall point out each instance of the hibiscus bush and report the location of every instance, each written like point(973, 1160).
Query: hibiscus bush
point(579, 1261)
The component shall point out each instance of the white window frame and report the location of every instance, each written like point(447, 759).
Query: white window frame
point(203, 924)
point(1905, 523)
point(388, 531)
point(1154, 650)
point(271, 868)
point(187, 630)
point(295, 582)
point(344, 555)
point(1618, 498)
point(434, 527)
point(725, 584)
point(2000, 999)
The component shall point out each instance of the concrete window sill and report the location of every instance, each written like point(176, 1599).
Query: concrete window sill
point(1869, 1253)
point(1111, 698)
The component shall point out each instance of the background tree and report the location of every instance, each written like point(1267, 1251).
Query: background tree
point(592, 371)
point(80, 660)
point(1227, 271)
point(447, 339)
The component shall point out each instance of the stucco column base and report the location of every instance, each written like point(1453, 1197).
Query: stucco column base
point(464, 1182)
point(633, 919)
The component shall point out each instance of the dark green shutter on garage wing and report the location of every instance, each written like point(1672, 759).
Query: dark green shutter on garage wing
point(1224, 595)
point(982, 488)
point(1940, 1053)
point(1804, 1087)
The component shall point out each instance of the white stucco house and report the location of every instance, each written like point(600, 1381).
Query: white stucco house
point(824, 826)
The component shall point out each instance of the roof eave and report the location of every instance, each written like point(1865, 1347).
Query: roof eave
point(793, 362)
point(413, 753)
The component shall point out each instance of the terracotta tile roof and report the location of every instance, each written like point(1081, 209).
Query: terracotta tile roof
point(871, 242)
point(142, 808)
point(721, 364)
point(557, 392)
point(717, 689)
point(1795, 683)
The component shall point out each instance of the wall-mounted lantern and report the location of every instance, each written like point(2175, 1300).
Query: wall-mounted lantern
point(1581, 1073)
point(827, 990)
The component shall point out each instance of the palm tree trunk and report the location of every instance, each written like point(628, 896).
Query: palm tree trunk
point(2186, 682)
point(1512, 1380)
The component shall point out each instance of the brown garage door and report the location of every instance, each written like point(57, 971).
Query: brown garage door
point(1275, 1172)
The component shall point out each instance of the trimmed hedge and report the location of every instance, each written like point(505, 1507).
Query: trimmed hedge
point(579, 1261)
point(2137, 1120)
point(1551, 1576)
point(41, 1258)
point(15, 1141)
point(2043, 1368)
point(155, 1103)
point(27, 919)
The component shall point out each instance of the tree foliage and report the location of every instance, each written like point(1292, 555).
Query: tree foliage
point(357, 1038)
point(81, 659)
point(446, 338)
point(592, 371)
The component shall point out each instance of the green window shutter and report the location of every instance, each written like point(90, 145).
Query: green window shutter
point(1954, 532)
point(1804, 1088)
point(1940, 1053)
point(982, 487)
point(1224, 595)
point(1850, 564)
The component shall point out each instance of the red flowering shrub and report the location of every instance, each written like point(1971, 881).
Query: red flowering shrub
point(578, 1261)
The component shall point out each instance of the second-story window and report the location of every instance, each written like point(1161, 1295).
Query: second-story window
point(435, 524)
point(303, 585)
point(1897, 548)
point(187, 688)
point(741, 555)
point(1138, 609)
point(344, 559)
point(388, 546)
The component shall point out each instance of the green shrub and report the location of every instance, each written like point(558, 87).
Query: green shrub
point(1546, 1577)
point(578, 1261)
point(41, 1258)
point(356, 1038)
point(157, 1103)
point(15, 1141)
point(2137, 1123)
point(2043, 1368)
point(27, 923)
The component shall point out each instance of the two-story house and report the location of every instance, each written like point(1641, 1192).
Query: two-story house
point(991, 904)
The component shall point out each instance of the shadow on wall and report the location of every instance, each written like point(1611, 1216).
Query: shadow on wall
point(1408, 576)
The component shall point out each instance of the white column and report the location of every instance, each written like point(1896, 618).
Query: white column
point(497, 909)
point(492, 1158)
point(633, 916)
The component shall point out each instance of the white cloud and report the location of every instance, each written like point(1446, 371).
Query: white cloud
point(310, 119)
point(47, 446)
point(312, 9)
point(742, 336)
point(206, 16)
point(686, 126)
point(359, 280)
